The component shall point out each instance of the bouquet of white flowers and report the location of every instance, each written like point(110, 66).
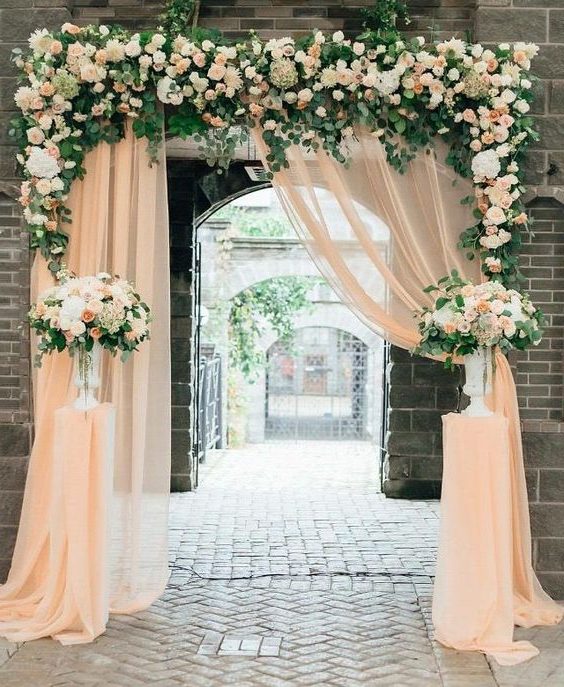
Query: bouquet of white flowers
point(82, 311)
point(466, 317)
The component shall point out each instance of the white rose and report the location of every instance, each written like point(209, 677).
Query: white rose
point(104, 30)
point(305, 95)
point(358, 48)
point(321, 111)
point(158, 39)
point(522, 106)
point(77, 328)
point(508, 96)
point(43, 186)
point(57, 184)
point(338, 37)
point(338, 95)
point(132, 49)
point(495, 215)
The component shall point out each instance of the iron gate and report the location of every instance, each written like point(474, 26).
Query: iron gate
point(316, 388)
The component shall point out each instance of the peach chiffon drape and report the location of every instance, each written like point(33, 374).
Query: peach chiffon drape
point(119, 225)
point(379, 238)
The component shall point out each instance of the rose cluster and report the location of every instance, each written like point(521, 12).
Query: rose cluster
point(83, 310)
point(465, 317)
point(83, 84)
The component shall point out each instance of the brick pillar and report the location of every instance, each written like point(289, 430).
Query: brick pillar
point(18, 18)
point(181, 190)
point(539, 372)
point(420, 392)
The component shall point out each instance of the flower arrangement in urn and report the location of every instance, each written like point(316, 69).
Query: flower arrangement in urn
point(467, 320)
point(85, 315)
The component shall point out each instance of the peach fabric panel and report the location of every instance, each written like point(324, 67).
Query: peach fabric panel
point(119, 225)
point(380, 237)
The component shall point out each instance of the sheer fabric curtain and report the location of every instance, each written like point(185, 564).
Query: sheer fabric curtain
point(379, 238)
point(119, 225)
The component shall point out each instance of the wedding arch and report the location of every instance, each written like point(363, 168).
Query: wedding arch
point(428, 137)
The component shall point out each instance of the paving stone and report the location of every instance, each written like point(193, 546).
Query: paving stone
point(289, 568)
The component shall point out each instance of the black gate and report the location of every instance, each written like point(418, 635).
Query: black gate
point(316, 388)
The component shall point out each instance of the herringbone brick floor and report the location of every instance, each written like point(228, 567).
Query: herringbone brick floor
point(288, 569)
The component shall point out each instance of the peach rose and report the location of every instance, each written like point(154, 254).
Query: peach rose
point(199, 59)
point(95, 333)
point(130, 336)
point(67, 27)
point(220, 59)
point(56, 47)
point(449, 327)
point(87, 316)
point(418, 89)
point(469, 116)
point(488, 138)
point(521, 219)
point(50, 225)
point(47, 89)
point(491, 65)
point(256, 110)
point(482, 307)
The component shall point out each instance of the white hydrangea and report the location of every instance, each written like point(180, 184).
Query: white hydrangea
point(486, 165)
point(41, 164)
point(386, 83)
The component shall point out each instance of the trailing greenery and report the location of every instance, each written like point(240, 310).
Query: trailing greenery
point(81, 86)
point(272, 303)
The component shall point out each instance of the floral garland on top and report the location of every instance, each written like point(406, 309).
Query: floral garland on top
point(81, 86)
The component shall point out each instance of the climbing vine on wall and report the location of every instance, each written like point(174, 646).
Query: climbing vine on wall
point(273, 303)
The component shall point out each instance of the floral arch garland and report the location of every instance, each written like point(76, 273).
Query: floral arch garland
point(81, 85)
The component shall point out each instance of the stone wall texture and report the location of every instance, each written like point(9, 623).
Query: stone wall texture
point(419, 391)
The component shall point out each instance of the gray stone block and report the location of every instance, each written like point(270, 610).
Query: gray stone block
point(547, 519)
point(435, 374)
point(426, 421)
point(551, 486)
point(412, 489)
point(543, 450)
point(14, 440)
point(550, 555)
point(17, 25)
point(13, 472)
point(551, 130)
point(400, 373)
point(548, 63)
point(10, 507)
point(556, 99)
point(410, 444)
point(553, 584)
point(179, 483)
point(402, 396)
point(502, 24)
point(556, 26)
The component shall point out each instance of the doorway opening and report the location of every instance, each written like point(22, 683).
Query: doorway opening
point(295, 364)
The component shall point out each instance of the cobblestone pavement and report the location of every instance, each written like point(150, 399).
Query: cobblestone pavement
point(288, 569)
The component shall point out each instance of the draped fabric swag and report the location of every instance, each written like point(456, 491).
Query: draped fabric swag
point(119, 225)
point(379, 238)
